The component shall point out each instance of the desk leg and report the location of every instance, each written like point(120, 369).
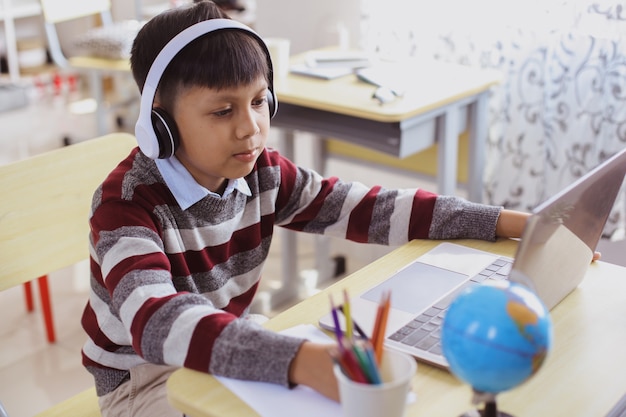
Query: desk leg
point(324, 265)
point(289, 281)
point(97, 91)
point(478, 121)
point(448, 151)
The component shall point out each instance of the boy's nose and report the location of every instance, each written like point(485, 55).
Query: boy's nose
point(247, 125)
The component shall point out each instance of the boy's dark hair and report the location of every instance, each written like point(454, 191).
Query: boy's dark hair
point(221, 59)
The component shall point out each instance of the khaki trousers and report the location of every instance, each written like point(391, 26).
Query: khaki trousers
point(144, 395)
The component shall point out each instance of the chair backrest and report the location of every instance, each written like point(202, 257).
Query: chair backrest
point(45, 205)
point(59, 11)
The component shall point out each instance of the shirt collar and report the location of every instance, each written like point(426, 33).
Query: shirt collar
point(184, 187)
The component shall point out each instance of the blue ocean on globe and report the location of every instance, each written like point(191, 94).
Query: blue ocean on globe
point(496, 336)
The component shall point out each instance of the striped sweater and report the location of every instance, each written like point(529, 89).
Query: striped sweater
point(171, 286)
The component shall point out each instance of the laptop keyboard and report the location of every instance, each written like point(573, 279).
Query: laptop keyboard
point(424, 331)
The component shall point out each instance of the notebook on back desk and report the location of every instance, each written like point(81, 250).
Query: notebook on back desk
point(552, 258)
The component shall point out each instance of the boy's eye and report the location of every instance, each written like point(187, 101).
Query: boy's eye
point(222, 113)
point(260, 101)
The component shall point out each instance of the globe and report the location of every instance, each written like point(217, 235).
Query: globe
point(496, 335)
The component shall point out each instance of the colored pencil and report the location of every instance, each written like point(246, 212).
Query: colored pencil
point(365, 355)
point(357, 328)
point(339, 360)
point(351, 362)
point(369, 351)
point(335, 319)
point(358, 359)
point(377, 321)
point(348, 316)
point(382, 326)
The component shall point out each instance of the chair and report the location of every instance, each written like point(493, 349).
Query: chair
point(95, 66)
point(46, 305)
point(44, 220)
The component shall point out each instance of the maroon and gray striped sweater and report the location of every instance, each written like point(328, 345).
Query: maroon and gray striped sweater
point(171, 286)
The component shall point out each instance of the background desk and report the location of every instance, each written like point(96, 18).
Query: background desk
point(442, 101)
point(584, 375)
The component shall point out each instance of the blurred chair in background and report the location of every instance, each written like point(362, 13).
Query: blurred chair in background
point(104, 48)
point(44, 225)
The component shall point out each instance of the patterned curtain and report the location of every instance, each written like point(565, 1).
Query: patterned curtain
point(561, 108)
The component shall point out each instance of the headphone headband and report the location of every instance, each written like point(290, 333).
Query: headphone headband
point(144, 130)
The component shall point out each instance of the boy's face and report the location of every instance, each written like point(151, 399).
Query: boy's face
point(222, 132)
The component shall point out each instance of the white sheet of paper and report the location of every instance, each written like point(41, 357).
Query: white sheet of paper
point(271, 400)
point(325, 73)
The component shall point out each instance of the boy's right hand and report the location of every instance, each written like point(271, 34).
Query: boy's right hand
point(313, 367)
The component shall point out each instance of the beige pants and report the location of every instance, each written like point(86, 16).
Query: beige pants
point(144, 395)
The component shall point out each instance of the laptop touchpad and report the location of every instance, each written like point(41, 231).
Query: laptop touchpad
point(416, 287)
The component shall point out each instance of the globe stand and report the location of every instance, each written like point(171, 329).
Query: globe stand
point(490, 406)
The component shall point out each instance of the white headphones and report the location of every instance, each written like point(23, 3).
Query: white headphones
point(155, 130)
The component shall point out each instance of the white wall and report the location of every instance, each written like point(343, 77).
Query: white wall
point(123, 9)
point(308, 24)
point(131, 9)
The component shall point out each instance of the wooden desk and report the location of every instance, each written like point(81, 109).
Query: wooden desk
point(440, 103)
point(443, 101)
point(95, 69)
point(584, 375)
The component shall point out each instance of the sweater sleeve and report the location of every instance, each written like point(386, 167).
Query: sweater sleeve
point(246, 351)
point(456, 218)
point(353, 211)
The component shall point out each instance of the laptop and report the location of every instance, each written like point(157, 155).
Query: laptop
point(555, 250)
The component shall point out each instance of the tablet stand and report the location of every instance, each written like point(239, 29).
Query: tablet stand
point(490, 408)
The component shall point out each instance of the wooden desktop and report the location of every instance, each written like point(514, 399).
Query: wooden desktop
point(584, 375)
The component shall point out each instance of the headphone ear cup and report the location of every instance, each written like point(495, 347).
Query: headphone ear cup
point(272, 102)
point(166, 132)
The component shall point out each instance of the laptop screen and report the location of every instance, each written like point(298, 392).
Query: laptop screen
point(584, 206)
point(560, 237)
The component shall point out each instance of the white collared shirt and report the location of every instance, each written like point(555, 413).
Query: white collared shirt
point(186, 189)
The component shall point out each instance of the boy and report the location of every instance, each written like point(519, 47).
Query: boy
point(178, 244)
